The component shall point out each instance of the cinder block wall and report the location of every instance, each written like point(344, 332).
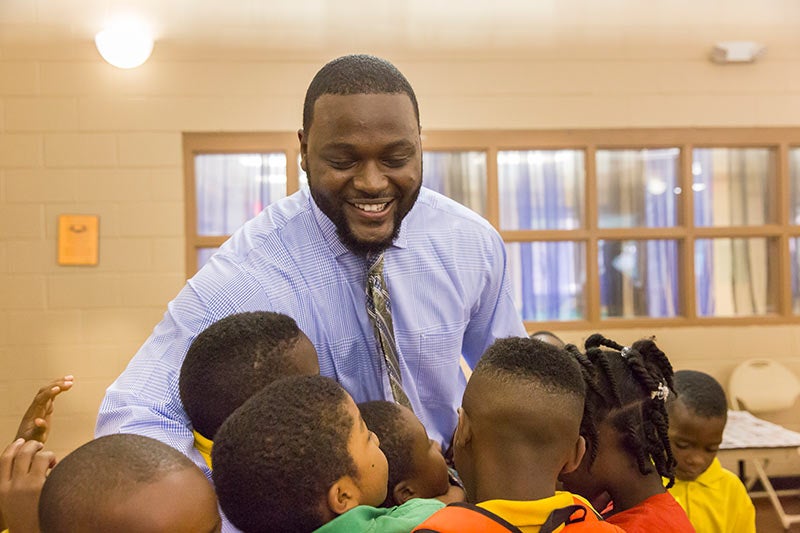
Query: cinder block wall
point(79, 136)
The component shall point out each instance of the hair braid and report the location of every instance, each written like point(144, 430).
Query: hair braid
point(661, 451)
point(622, 385)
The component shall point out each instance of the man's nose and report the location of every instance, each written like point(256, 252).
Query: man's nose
point(370, 179)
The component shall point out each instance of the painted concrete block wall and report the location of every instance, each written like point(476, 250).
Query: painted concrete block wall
point(78, 136)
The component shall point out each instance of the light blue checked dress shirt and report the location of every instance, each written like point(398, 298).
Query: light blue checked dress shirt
point(446, 274)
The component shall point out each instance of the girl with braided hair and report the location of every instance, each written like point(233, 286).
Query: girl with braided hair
point(625, 425)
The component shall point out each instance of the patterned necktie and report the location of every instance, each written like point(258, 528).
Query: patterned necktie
point(379, 310)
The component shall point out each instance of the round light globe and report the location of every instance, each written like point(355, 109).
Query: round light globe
point(124, 45)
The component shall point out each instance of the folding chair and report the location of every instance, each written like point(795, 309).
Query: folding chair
point(758, 386)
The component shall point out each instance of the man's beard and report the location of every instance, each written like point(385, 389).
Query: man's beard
point(359, 247)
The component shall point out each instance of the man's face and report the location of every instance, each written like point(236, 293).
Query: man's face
point(363, 158)
point(694, 439)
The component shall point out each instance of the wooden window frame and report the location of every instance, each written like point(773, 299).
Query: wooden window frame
point(781, 140)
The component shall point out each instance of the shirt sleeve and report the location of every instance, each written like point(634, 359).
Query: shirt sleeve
point(145, 399)
point(494, 316)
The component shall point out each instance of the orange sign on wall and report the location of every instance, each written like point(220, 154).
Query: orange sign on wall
point(78, 239)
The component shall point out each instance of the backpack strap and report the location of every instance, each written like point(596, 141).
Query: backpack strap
point(462, 516)
point(571, 514)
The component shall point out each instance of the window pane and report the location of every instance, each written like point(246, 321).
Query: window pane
point(637, 188)
point(203, 255)
point(794, 186)
point(638, 278)
point(548, 279)
point(458, 175)
point(733, 186)
point(794, 252)
point(541, 189)
point(733, 277)
point(232, 188)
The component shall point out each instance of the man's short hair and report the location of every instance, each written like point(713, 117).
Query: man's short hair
point(102, 471)
point(278, 454)
point(356, 74)
point(385, 419)
point(230, 361)
point(701, 393)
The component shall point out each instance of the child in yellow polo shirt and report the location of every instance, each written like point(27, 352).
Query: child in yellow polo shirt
point(715, 499)
point(233, 359)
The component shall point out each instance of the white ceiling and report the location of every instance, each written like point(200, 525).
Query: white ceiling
point(420, 26)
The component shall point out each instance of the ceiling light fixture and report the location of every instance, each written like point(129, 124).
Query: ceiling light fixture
point(727, 52)
point(126, 43)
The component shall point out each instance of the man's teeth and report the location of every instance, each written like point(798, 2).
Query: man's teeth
point(371, 208)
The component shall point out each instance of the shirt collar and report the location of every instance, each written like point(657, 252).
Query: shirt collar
point(328, 229)
point(711, 475)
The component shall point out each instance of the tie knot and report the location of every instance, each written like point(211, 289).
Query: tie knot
point(375, 264)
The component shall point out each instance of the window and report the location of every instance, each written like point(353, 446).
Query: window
point(602, 227)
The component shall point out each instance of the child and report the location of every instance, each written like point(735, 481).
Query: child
point(234, 358)
point(518, 429)
point(625, 424)
point(714, 498)
point(549, 337)
point(23, 464)
point(127, 483)
point(297, 456)
point(417, 468)
point(35, 424)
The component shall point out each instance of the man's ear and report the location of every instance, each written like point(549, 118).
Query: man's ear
point(301, 135)
point(576, 456)
point(342, 495)
point(402, 492)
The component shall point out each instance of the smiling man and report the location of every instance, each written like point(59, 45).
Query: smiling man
point(392, 282)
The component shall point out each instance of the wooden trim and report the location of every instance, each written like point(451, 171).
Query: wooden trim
point(781, 198)
point(687, 280)
point(593, 297)
point(492, 187)
point(779, 231)
point(190, 214)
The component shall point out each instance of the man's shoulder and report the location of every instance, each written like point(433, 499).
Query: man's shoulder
point(279, 220)
point(433, 209)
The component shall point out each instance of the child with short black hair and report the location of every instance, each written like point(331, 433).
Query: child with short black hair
point(233, 359)
point(417, 468)
point(127, 483)
point(298, 456)
point(518, 429)
point(24, 464)
point(625, 424)
point(715, 499)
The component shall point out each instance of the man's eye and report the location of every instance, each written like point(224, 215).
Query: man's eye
point(680, 445)
point(395, 162)
point(341, 164)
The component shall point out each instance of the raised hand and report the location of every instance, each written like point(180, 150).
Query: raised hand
point(35, 424)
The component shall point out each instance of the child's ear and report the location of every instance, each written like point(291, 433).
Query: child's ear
point(463, 430)
point(402, 492)
point(342, 496)
point(576, 456)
